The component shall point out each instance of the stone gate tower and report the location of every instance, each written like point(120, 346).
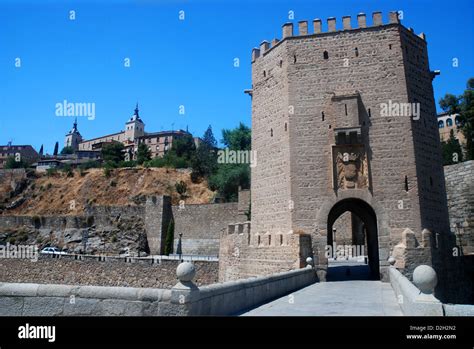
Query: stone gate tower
point(345, 120)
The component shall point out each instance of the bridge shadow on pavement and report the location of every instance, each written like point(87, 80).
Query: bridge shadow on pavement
point(345, 271)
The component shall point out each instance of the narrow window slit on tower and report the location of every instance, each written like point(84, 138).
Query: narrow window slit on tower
point(406, 183)
point(389, 46)
point(368, 110)
point(356, 52)
point(269, 240)
point(326, 55)
point(281, 63)
point(281, 240)
point(322, 116)
point(294, 58)
point(286, 126)
point(345, 108)
point(264, 73)
point(271, 132)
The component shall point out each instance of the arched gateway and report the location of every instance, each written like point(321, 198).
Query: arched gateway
point(368, 222)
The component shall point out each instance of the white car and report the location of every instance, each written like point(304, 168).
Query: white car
point(52, 250)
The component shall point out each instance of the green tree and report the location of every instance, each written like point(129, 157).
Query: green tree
point(229, 177)
point(143, 153)
point(67, 150)
point(112, 153)
point(56, 148)
point(449, 103)
point(184, 147)
point(464, 106)
point(168, 160)
point(204, 162)
point(470, 84)
point(67, 169)
point(11, 163)
point(452, 152)
point(239, 138)
point(467, 117)
point(169, 241)
point(209, 138)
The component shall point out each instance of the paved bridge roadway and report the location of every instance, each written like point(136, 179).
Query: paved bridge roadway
point(337, 297)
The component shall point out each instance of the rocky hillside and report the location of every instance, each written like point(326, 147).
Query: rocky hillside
point(122, 236)
point(60, 194)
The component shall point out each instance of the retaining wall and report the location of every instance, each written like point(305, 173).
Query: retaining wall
point(102, 271)
point(184, 299)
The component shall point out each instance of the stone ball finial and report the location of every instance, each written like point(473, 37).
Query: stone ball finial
point(425, 278)
point(309, 261)
point(391, 260)
point(185, 271)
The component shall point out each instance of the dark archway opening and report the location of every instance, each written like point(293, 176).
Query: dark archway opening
point(353, 254)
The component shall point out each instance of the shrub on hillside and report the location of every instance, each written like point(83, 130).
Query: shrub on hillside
point(51, 172)
point(131, 163)
point(181, 188)
point(107, 172)
point(67, 170)
point(89, 164)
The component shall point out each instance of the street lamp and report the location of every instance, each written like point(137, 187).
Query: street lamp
point(334, 243)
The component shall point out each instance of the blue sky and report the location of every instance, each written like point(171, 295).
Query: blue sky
point(175, 62)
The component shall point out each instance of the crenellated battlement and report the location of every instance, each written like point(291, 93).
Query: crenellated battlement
point(244, 253)
point(411, 251)
point(261, 239)
point(331, 25)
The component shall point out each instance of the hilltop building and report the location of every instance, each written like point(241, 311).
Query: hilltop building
point(26, 153)
point(132, 135)
point(448, 122)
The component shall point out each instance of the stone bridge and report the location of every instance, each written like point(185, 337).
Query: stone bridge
point(291, 293)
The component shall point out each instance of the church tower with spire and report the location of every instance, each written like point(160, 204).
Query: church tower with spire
point(73, 138)
point(134, 127)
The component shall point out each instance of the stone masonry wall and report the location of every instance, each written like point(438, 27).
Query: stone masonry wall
point(343, 226)
point(111, 272)
point(425, 134)
point(201, 226)
point(294, 115)
point(157, 219)
point(270, 139)
point(460, 192)
point(244, 254)
point(102, 217)
point(377, 75)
